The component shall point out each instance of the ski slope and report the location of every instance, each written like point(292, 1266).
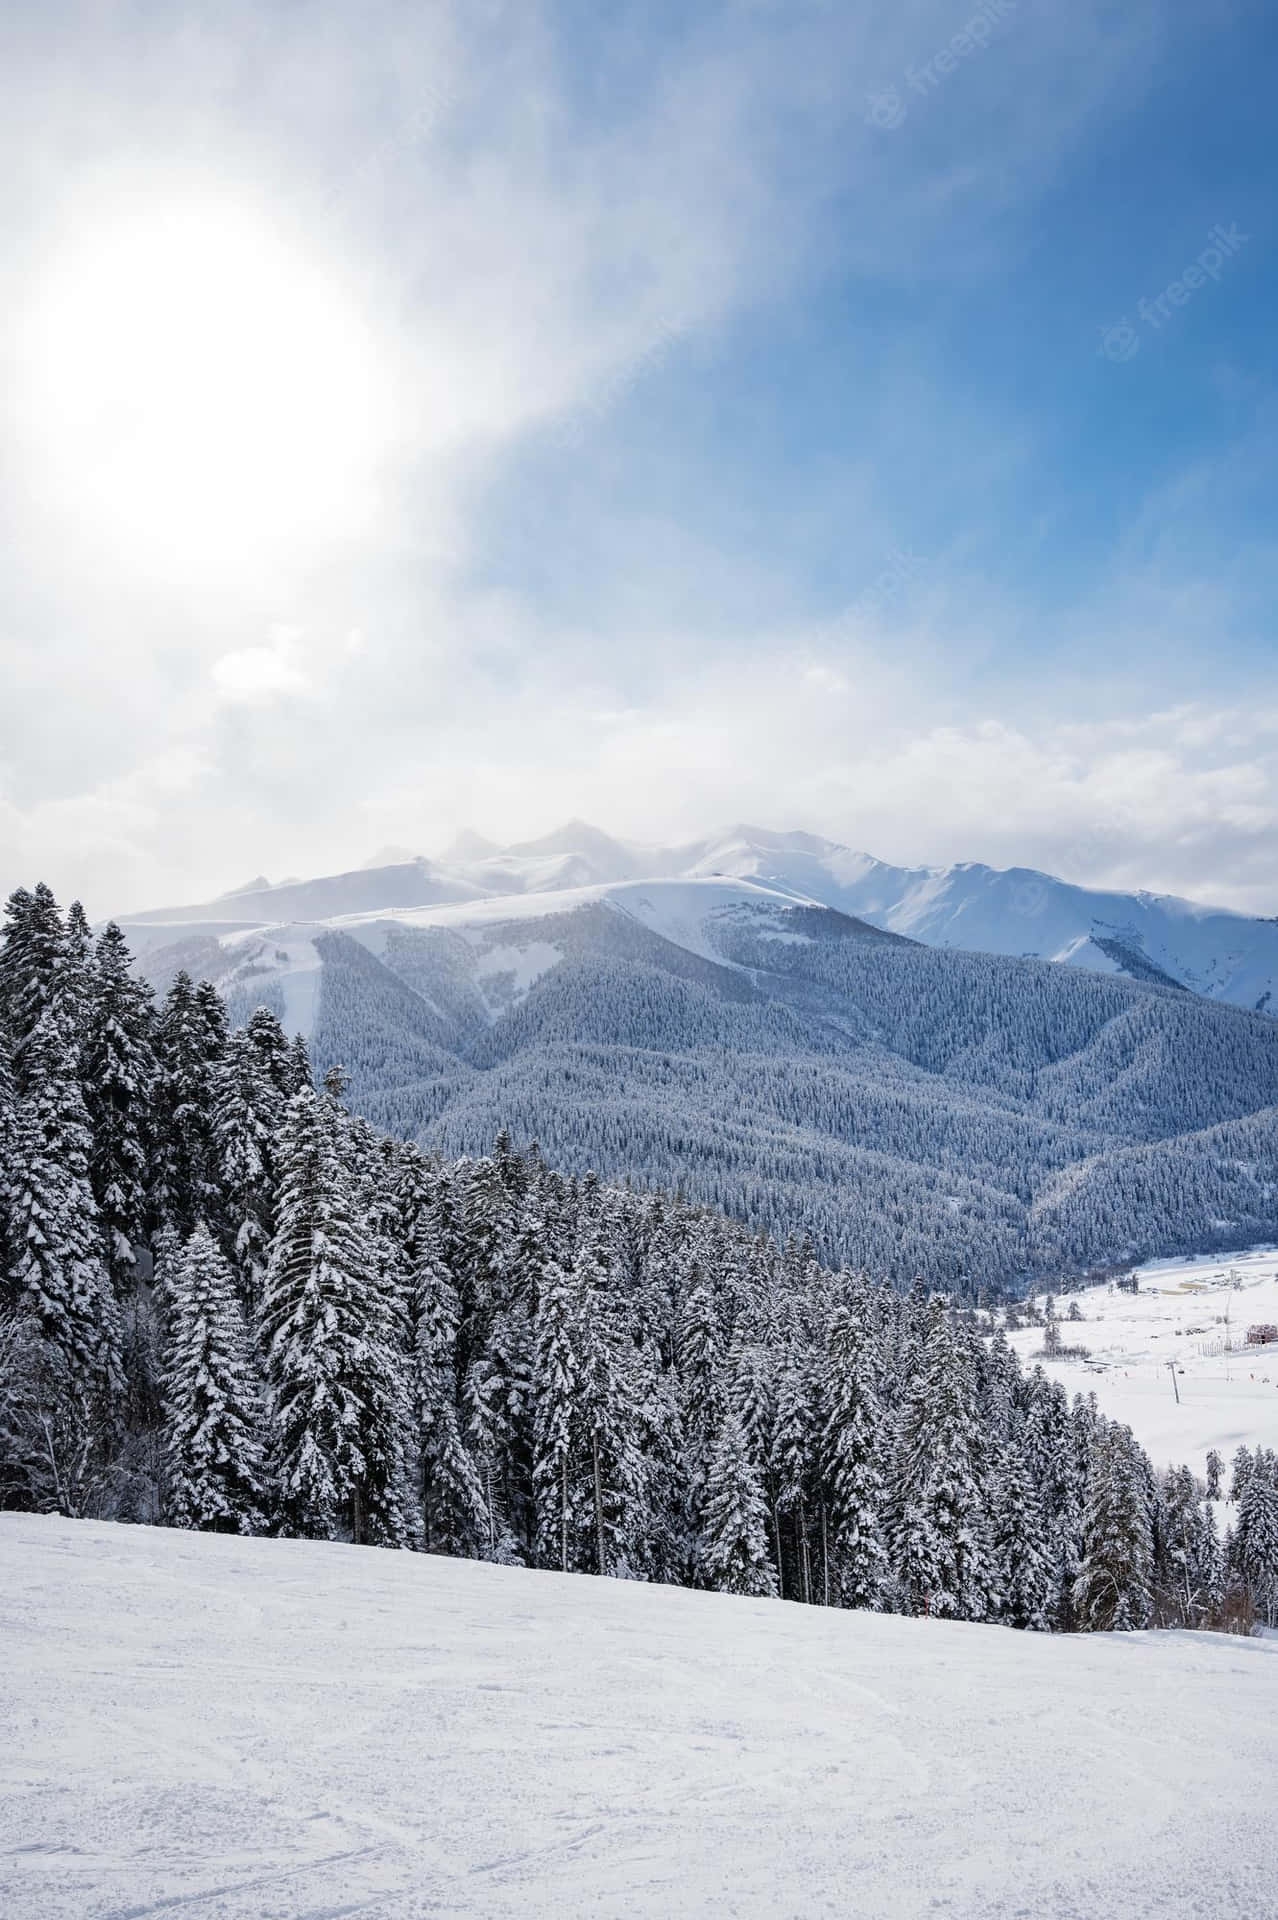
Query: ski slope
point(262, 1730)
point(1228, 1393)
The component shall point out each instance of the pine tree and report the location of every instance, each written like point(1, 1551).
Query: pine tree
point(247, 1115)
point(58, 1272)
point(269, 1043)
point(34, 972)
point(794, 1451)
point(1187, 1555)
point(213, 1413)
point(1113, 1589)
point(1023, 1560)
point(608, 1416)
point(1254, 1546)
point(190, 1039)
point(557, 1387)
point(300, 1075)
point(851, 1447)
point(1215, 1474)
point(8, 1174)
point(941, 1547)
point(455, 1514)
point(119, 1079)
point(327, 1331)
point(734, 1555)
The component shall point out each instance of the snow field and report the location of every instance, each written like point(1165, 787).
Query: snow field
point(1227, 1399)
point(262, 1730)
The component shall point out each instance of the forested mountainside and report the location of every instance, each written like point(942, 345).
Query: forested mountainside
point(229, 1304)
point(973, 1118)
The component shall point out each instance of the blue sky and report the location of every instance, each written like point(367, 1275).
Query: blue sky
point(429, 416)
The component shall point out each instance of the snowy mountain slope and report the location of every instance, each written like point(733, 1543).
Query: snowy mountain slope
point(1017, 911)
point(240, 1727)
point(693, 915)
point(974, 1118)
point(1189, 1312)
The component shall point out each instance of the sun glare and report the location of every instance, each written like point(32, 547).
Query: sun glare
point(201, 395)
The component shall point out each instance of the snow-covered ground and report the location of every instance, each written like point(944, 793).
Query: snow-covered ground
point(1228, 1391)
point(265, 1730)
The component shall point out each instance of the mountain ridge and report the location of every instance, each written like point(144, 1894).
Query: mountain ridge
point(1215, 952)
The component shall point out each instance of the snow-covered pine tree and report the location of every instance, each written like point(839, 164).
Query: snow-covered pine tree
point(338, 1393)
point(58, 1272)
point(269, 1042)
point(607, 1403)
point(1253, 1550)
point(940, 1540)
point(454, 1510)
point(733, 1555)
point(1187, 1556)
point(119, 1083)
point(1113, 1591)
point(557, 1387)
point(190, 1036)
point(33, 971)
point(247, 1115)
point(851, 1447)
point(8, 1172)
point(215, 1472)
point(1025, 1570)
point(300, 1074)
point(701, 1381)
point(794, 1473)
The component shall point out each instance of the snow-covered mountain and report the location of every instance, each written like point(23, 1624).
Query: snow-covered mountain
point(1145, 936)
point(739, 1035)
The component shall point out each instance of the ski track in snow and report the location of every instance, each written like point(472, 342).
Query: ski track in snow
point(261, 1730)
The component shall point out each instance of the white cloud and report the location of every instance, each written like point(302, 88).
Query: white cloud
point(258, 673)
point(507, 264)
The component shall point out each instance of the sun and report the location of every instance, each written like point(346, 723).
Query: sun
point(201, 396)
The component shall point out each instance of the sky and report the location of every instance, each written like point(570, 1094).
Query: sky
point(850, 417)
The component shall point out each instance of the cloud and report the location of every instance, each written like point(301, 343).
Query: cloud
point(531, 234)
point(259, 673)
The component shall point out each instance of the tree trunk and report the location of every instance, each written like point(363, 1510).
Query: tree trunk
point(357, 1518)
point(776, 1528)
point(599, 1525)
point(563, 1511)
point(825, 1560)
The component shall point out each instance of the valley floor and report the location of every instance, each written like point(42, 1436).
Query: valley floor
point(1190, 1312)
point(265, 1730)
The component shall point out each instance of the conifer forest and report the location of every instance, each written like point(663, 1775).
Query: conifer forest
point(230, 1304)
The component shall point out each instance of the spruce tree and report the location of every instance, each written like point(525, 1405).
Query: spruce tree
point(58, 1271)
point(851, 1448)
point(733, 1555)
point(337, 1385)
point(1253, 1550)
point(941, 1547)
point(212, 1401)
point(247, 1115)
point(1113, 1591)
point(556, 1466)
point(454, 1510)
point(119, 1079)
point(185, 1175)
point(34, 973)
point(1023, 1560)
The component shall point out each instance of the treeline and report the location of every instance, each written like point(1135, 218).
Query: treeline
point(231, 1305)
